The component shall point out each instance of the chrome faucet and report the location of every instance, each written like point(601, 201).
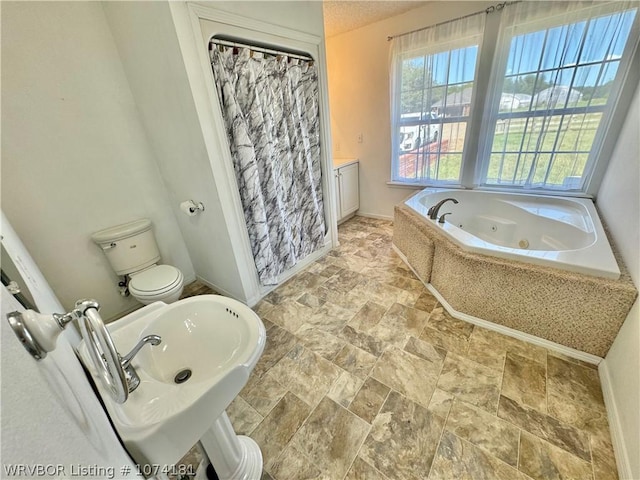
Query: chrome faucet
point(433, 211)
point(133, 380)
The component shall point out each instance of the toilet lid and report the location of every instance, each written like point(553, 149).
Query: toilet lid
point(155, 279)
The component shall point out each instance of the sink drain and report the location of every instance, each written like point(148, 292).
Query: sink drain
point(182, 376)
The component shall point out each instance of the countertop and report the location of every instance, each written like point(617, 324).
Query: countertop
point(343, 162)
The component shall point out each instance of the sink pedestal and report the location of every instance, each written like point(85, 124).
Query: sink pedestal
point(234, 457)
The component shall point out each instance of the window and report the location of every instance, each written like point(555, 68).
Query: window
point(553, 85)
point(552, 96)
point(432, 108)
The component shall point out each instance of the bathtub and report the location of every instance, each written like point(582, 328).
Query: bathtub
point(563, 233)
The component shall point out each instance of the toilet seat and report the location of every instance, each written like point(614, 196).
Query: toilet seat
point(155, 281)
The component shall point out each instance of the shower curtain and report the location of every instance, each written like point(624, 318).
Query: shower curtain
point(270, 109)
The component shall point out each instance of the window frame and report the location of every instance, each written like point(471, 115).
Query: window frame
point(395, 156)
point(480, 131)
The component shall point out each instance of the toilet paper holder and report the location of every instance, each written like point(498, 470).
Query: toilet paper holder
point(191, 208)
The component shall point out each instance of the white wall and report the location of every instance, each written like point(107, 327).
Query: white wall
point(358, 66)
point(148, 46)
point(304, 16)
point(619, 203)
point(75, 158)
point(50, 415)
point(162, 62)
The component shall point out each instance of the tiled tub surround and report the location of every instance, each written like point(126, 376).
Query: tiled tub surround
point(582, 312)
point(365, 376)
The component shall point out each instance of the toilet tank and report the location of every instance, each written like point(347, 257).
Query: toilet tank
point(129, 247)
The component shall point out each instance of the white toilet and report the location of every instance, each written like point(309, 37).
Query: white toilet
point(132, 250)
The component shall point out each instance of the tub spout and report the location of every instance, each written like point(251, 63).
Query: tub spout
point(433, 211)
point(441, 219)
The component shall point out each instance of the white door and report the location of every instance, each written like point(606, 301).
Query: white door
point(52, 423)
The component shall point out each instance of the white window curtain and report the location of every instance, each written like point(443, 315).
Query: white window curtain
point(433, 74)
point(558, 69)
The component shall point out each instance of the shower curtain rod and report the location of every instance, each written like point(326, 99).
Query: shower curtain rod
point(255, 48)
point(493, 8)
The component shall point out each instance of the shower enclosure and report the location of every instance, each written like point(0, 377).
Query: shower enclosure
point(269, 103)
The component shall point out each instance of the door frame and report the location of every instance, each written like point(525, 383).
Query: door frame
point(194, 48)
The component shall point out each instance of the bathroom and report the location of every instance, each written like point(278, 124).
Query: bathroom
point(91, 141)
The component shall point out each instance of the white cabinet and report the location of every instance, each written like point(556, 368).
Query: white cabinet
point(347, 190)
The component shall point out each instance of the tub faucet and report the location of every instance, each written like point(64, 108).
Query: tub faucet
point(132, 377)
point(433, 211)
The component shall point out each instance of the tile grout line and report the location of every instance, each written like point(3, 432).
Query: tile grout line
point(580, 430)
point(336, 380)
point(446, 419)
point(504, 368)
point(593, 465)
point(546, 381)
point(435, 453)
point(302, 424)
point(252, 408)
point(364, 439)
point(518, 458)
point(538, 437)
point(274, 405)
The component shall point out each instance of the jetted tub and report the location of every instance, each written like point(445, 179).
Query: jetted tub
point(563, 233)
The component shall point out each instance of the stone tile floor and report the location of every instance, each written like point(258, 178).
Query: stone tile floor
point(366, 376)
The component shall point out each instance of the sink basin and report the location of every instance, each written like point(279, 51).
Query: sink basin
point(217, 339)
point(205, 335)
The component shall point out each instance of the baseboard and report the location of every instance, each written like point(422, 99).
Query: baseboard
point(510, 332)
point(218, 289)
point(615, 423)
point(373, 215)
point(346, 219)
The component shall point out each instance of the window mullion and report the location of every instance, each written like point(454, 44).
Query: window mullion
point(589, 44)
point(480, 100)
point(425, 158)
point(524, 135)
point(554, 152)
point(560, 135)
point(567, 117)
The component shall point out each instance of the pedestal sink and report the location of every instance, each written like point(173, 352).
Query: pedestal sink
point(210, 344)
